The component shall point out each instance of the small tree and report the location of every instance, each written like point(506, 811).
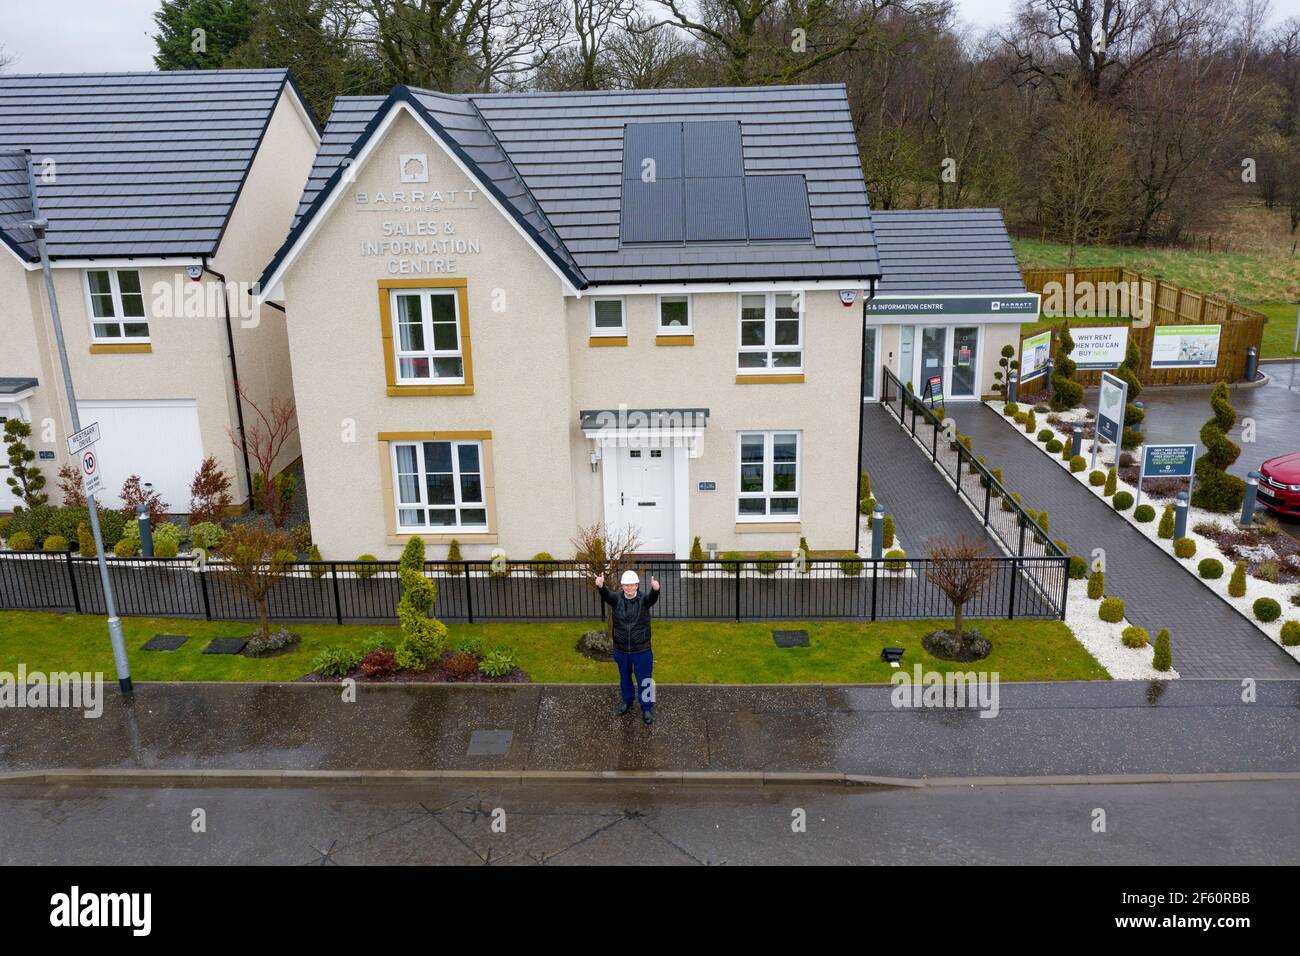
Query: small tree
point(73, 491)
point(1002, 375)
point(424, 638)
point(606, 554)
point(134, 494)
point(1132, 414)
point(257, 554)
point(1066, 392)
point(25, 479)
point(1216, 490)
point(961, 567)
point(209, 492)
point(263, 442)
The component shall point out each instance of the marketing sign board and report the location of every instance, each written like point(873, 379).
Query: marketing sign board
point(1185, 346)
point(1034, 354)
point(934, 390)
point(1166, 461)
point(1099, 347)
point(1013, 307)
point(1110, 412)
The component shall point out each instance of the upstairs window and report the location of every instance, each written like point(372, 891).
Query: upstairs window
point(427, 337)
point(674, 315)
point(771, 333)
point(116, 305)
point(607, 317)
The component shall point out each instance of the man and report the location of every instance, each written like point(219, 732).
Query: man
point(630, 609)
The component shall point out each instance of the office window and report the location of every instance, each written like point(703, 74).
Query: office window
point(607, 317)
point(674, 314)
point(116, 305)
point(767, 480)
point(426, 337)
point(771, 332)
point(439, 485)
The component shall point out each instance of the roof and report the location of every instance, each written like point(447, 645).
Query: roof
point(555, 160)
point(12, 386)
point(598, 419)
point(945, 252)
point(142, 164)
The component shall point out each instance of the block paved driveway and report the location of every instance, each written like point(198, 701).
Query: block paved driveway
point(1209, 638)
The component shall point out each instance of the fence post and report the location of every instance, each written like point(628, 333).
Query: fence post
point(960, 446)
point(203, 586)
point(469, 594)
point(338, 604)
point(738, 564)
point(1065, 585)
point(72, 578)
point(875, 572)
point(988, 499)
point(1015, 577)
point(1020, 520)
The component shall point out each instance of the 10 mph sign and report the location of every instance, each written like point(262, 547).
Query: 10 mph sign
point(90, 477)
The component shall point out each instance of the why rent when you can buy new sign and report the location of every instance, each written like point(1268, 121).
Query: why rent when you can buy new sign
point(1099, 347)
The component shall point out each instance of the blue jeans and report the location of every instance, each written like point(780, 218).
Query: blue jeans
point(642, 664)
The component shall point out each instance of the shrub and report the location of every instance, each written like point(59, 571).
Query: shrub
point(805, 555)
point(318, 566)
point(1122, 501)
point(134, 493)
point(468, 644)
point(206, 535)
point(1166, 527)
point(460, 666)
point(1066, 392)
point(1096, 478)
point(127, 548)
point(1216, 490)
point(55, 542)
point(1134, 636)
point(1111, 610)
point(70, 485)
point(1021, 417)
point(731, 561)
point(22, 541)
point(1266, 609)
point(1046, 435)
point(1291, 633)
point(1011, 409)
point(1009, 503)
point(378, 663)
point(1184, 548)
point(498, 662)
point(1078, 463)
point(336, 661)
point(1269, 571)
point(259, 645)
point(86, 541)
point(286, 558)
point(1054, 446)
point(767, 563)
point(1097, 585)
point(209, 494)
point(1237, 583)
point(169, 549)
point(407, 658)
point(1031, 423)
point(366, 566)
point(453, 554)
point(543, 570)
point(1210, 568)
point(887, 534)
point(1144, 513)
point(1111, 483)
point(865, 505)
point(864, 485)
point(851, 567)
point(895, 560)
point(1163, 659)
point(696, 564)
point(25, 479)
point(300, 538)
point(422, 635)
point(499, 566)
point(5, 523)
point(1078, 567)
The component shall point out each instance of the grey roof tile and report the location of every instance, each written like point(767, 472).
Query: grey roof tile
point(945, 252)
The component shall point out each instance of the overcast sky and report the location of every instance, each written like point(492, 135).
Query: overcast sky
point(77, 36)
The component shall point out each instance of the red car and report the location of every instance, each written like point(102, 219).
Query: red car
point(1279, 488)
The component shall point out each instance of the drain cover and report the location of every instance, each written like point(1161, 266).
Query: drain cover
point(483, 743)
point(790, 638)
point(164, 642)
point(225, 645)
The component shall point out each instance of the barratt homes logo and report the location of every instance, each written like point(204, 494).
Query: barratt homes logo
point(76, 909)
point(414, 167)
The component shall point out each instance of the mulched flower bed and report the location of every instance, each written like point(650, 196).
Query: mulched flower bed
point(1162, 488)
point(1263, 543)
point(433, 675)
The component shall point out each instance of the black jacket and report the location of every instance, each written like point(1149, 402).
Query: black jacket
point(631, 618)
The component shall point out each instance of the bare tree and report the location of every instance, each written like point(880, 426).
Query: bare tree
point(258, 557)
point(961, 567)
point(642, 58)
point(264, 441)
point(606, 554)
point(1084, 174)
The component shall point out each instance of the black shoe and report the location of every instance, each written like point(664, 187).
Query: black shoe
point(622, 709)
point(648, 716)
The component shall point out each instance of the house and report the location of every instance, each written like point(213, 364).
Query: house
point(951, 299)
point(514, 315)
point(165, 194)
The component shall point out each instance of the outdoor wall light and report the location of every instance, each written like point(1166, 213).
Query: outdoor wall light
point(595, 461)
point(892, 655)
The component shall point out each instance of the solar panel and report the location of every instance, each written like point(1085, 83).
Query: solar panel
point(715, 209)
point(777, 207)
point(712, 149)
point(661, 142)
point(652, 212)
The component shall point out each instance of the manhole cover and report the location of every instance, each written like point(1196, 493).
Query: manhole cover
point(164, 642)
point(790, 638)
point(225, 645)
point(484, 743)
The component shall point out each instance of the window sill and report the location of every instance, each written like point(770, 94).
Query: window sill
point(471, 537)
point(687, 339)
point(415, 390)
point(768, 527)
point(607, 341)
point(794, 378)
point(120, 348)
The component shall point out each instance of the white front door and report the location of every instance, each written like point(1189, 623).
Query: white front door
point(645, 490)
point(7, 497)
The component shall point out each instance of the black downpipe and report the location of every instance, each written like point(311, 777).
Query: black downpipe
point(862, 410)
point(234, 375)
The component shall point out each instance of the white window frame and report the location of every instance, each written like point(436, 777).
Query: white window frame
point(688, 328)
point(119, 316)
point(769, 333)
point(622, 309)
point(767, 493)
point(423, 488)
point(426, 325)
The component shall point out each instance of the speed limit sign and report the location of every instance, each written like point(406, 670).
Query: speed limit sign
point(90, 477)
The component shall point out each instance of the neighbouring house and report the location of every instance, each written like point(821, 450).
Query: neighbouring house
point(165, 195)
point(512, 315)
point(951, 298)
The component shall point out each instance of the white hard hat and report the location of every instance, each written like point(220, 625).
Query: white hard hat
point(629, 577)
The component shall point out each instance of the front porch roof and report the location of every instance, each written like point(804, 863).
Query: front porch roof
point(16, 386)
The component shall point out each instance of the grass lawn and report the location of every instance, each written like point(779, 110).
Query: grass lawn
point(1279, 331)
point(685, 651)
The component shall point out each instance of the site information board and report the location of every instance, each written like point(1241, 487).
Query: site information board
point(1111, 402)
point(1100, 347)
point(1185, 346)
point(1166, 461)
point(1034, 353)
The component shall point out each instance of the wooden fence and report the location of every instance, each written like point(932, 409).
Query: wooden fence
point(1168, 304)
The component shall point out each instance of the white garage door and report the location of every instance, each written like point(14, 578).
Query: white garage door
point(157, 440)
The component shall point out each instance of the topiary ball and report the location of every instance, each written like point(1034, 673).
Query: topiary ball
point(1122, 501)
point(1134, 636)
point(1144, 513)
point(1111, 610)
point(1291, 634)
point(1184, 548)
point(1266, 609)
point(1210, 568)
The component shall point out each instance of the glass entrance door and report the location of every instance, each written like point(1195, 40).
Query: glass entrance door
point(963, 363)
point(934, 342)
